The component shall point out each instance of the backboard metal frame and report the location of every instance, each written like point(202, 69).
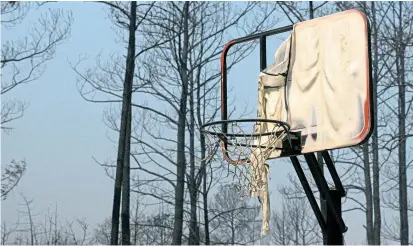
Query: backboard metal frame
point(224, 79)
point(263, 64)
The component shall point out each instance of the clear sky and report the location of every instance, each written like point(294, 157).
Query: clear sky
point(60, 132)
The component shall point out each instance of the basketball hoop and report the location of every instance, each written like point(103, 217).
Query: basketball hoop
point(239, 144)
point(252, 142)
point(247, 141)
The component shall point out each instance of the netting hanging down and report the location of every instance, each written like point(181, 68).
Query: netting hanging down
point(247, 150)
point(246, 154)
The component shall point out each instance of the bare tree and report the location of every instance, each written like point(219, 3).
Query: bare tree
point(294, 224)
point(125, 17)
point(7, 232)
point(233, 220)
point(398, 41)
point(281, 227)
point(30, 224)
point(205, 42)
point(162, 76)
point(23, 60)
point(32, 229)
point(122, 166)
point(203, 106)
point(102, 233)
point(11, 176)
point(147, 229)
point(157, 228)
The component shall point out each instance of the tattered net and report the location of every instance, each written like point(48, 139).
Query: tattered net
point(246, 153)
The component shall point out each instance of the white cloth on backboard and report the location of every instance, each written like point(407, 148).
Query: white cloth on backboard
point(270, 75)
point(272, 81)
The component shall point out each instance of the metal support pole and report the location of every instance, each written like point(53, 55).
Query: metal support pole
point(334, 236)
point(333, 173)
point(309, 193)
point(323, 188)
point(311, 10)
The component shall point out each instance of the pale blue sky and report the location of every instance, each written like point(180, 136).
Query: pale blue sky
point(60, 132)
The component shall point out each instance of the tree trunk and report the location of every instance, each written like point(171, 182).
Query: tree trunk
point(202, 143)
point(201, 120)
point(135, 224)
point(181, 165)
point(297, 228)
point(125, 215)
point(193, 189)
point(118, 183)
point(369, 195)
point(205, 191)
point(127, 99)
point(404, 223)
point(375, 142)
point(232, 229)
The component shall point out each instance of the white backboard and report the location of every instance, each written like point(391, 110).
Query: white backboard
point(327, 93)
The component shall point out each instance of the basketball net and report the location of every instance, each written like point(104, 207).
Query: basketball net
point(250, 178)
